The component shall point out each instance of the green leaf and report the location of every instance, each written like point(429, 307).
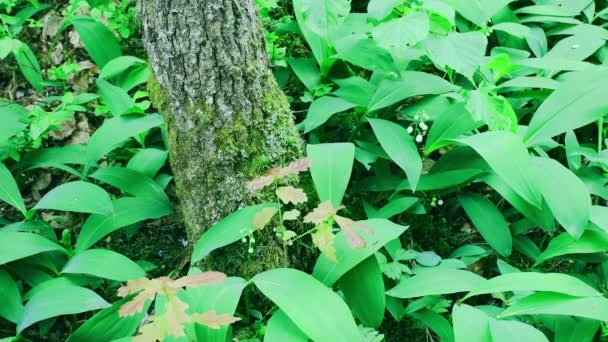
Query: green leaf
point(577, 47)
point(127, 211)
point(570, 202)
point(131, 182)
point(222, 297)
point(355, 90)
point(442, 180)
point(18, 245)
point(328, 271)
point(573, 104)
point(99, 41)
point(118, 100)
point(227, 230)
point(322, 109)
point(59, 300)
point(148, 161)
point(494, 110)
point(315, 309)
point(398, 144)
point(449, 125)
point(282, 329)
point(399, 34)
point(114, 132)
point(9, 191)
point(78, 196)
point(29, 66)
point(104, 264)
point(307, 71)
point(534, 281)
point(590, 242)
point(549, 303)
point(106, 325)
point(119, 65)
point(10, 297)
point(517, 170)
point(508, 331)
point(331, 167)
point(411, 83)
point(69, 154)
point(437, 323)
point(363, 289)
point(380, 9)
point(514, 29)
point(462, 52)
point(362, 51)
point(489, 221)
point(569, 329)
point(436, 281)
point(528, 82)
point(470, 324)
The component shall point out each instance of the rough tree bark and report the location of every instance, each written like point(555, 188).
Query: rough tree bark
point(227, 120)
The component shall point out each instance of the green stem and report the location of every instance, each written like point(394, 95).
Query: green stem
point(600, 134)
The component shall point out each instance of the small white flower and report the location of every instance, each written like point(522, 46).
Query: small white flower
point(423, 126)
point(250, 250)
point(417, 117)
point(410, 129)
point(440, 202)
point(419, 138)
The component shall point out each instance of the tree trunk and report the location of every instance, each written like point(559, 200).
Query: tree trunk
point(227, 120)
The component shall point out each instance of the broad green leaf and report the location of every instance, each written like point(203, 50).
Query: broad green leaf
point(18, 245)
point(436, 281)
point(508, 331)
point(543, 218)
point(549, 303)
point(411, 83)
point(437, 323)
point(67, 280)
point(494, 111)
point(99, 41)
point(569, 329)
point(590, 242)
point(282, 329)
point(399, 34)
point(329, 271)
point(148, 161)
point(119, 65)
point(442, 180)
point(315, 309)
point(573, 104)
point(514, 29)
point(226, 231)
point(399, 145)
point(571, 144)
point(462, 52)
point(114, 132)
point(331, 167)
point(528, 82)
point(489, 221)
point(10, 298)
point(570, 202)
point(534, 281)
point(11, 124)
point(59, 300)
point(29, 66)
point(78, 196)
point(363, 289)
point(104, 264)
point(222, 297)
point(117, 99)
point(362, 51)
point(106, 325)
point(33, 226)
point(470, 324)
point(69, 154)
point(449, 125)
point(9, 191)
point(577, 47)
point(322, 109)
point(131, 182)
point(394, 207)
point(307, 71)
point(380, 9)
point(517, 170)
point(355, 90)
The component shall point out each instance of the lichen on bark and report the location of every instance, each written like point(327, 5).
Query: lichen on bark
point(226, 119)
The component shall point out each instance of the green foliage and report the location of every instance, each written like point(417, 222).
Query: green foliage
point(457, 151)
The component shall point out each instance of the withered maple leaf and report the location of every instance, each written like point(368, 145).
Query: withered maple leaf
point(322, 212)
point(262, 217)
point(271, 175)
point(348, 227)
point(213, 320)
point(291, 215)
point(290, 194)
point(323, 239)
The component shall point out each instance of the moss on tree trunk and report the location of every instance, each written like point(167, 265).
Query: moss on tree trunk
point(226, 119)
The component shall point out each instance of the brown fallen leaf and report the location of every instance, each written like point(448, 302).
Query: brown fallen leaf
point(290, 194)
point(213, 320)
point(322, 212)
point(201, 279)
point(262, 217)
point(291, 215)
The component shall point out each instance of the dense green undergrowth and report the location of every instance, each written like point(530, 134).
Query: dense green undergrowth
point(457, 150)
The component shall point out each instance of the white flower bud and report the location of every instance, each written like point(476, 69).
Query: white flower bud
point(410, 129)
point(419, 138)
point(440, 202)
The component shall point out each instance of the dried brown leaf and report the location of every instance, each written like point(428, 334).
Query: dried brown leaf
point(288, 235)
point(212, 320)
point(291, 215)
point(296, 167)
point(290, 194)
point(201, 279)
point(322, 212)
point(262, 217)
point(260, 182)
point(323, 239)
